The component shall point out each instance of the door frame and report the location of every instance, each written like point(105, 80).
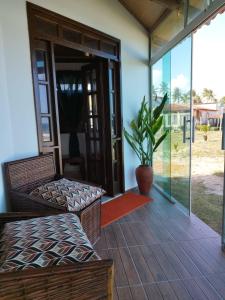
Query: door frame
point(56, 29)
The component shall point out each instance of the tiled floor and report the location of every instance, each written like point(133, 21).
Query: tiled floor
point(159, 253)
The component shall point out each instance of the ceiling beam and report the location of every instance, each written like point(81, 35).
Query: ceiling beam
point(133, 13)
point(163, 16)
point(171, 4)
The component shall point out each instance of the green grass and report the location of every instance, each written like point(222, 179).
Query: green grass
point(208, 207)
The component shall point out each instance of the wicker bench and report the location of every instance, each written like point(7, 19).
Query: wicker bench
point(25, 175)
point(86, 280)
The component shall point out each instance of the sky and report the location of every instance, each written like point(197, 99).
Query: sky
point(208, 61)
point(209, 57)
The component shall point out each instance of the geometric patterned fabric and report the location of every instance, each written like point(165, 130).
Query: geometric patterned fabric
point(70, 194)
point(44, 242)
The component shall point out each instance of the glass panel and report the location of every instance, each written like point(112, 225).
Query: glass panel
point(109, 48)
point(92, 147)
point(94, 80)
point(114, 125)
point(46, 133)
point(41, 65)
point(115, 151)
point(43, 97)
point(195, 8)
point(208, 107)
point(96, 128)
point(72, 36)
point(91, 43)
point(90, 105)
point(167, 30)
point(160, 85)
point(91, 127)
point(98, 152)
point(181, 62)
point(111, 79)
point(46, 27)
point(95, 105)
point(172, 75)
point(88, 79)
point(115, 167)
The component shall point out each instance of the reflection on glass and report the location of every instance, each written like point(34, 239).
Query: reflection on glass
point(46, 133)
point(180, 121)
point(92, 147)
point(95, 105)
point(41, 65)
point(114, 151)
point(43, 97)
point(168, 29)
point(172, 75)
point(96, 128)
point(195, 8)
point(160, 85)
point(94, 80)
point(90, 105)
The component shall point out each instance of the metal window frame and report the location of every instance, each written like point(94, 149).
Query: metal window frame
point(188, 29)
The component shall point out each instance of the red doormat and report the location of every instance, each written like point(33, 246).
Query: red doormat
point(120, 207)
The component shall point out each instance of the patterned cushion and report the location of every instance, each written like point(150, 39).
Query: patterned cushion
point(42, 242)
point(70, 194)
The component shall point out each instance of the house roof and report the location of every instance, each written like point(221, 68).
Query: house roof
point(174, 107)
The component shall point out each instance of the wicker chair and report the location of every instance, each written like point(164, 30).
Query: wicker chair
point(22, 176)
point(83, 281)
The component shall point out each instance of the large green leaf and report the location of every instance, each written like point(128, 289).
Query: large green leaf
point(157, 125)
point(160, 140)
point(158, 110)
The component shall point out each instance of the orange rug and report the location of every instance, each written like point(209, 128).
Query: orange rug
point(120, 207)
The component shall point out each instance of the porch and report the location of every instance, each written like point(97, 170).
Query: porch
point(159, 253)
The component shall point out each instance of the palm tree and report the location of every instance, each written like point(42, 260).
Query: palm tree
point(222, 100)
point(164, 89)
point(208, 94)
point(177, 95)
point(196, 98)
point(185, 97)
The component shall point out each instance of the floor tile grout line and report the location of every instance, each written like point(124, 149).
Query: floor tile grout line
point(133, 260)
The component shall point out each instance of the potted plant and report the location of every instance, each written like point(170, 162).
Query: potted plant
point(205, 128)
point(144, 140)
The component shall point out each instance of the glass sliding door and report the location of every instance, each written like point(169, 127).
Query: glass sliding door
point(208, 108)
point(172, 75)
point(181, 65)
point(161, 81)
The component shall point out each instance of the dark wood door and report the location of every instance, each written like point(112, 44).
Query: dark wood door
point(113, 128)
point(46, 100)
point(94, 122)
point(104, 126)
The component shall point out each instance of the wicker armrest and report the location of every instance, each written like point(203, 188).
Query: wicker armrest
point(83, 281)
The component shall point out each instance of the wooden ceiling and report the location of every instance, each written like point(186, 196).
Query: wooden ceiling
point(150, 13)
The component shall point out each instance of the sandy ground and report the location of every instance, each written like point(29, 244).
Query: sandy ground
point(204, 169)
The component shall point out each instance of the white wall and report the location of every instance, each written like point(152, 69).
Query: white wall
point(17, 116)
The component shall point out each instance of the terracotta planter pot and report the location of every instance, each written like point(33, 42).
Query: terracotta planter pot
point(144, 177)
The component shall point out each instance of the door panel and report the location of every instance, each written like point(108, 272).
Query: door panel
point(94, 103)
point(114, 130)
point(181, 70)
point(46, 100)
point(172, 75)
point(104, 125)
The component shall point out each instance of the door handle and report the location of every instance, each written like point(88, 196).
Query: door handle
point(193, 130)
point(185, 138)
point(223, 132)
